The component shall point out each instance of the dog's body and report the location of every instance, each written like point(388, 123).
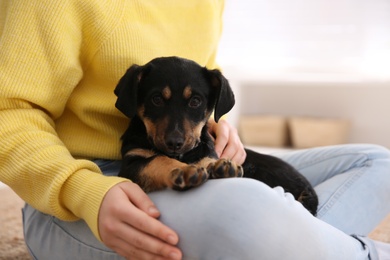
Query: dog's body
point(168, 145)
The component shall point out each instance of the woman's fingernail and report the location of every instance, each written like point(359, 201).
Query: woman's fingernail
point(171, 240)
point(153, 210)
point(174, 256)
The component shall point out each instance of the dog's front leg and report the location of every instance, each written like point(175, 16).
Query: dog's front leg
point(155, 171)
point(221, 168)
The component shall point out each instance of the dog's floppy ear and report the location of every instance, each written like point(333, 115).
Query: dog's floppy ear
point(224, 95)
point(126, 91)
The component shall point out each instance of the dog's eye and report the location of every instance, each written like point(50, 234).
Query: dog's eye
point(195, 102)
point(158, 101)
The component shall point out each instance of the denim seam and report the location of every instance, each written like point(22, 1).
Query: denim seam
point(31, 252)
point(367, 245)
point(24, 235)
point(79, 241)
point(322, 159)
point(344, 187)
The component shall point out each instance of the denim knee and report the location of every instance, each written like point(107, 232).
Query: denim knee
point(50, 238)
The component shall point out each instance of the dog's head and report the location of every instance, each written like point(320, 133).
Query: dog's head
point(174, 97)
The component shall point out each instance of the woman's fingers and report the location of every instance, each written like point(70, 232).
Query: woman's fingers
point(131, 231)
point(227, 141)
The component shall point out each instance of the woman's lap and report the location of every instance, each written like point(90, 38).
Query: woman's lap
point(220, 220)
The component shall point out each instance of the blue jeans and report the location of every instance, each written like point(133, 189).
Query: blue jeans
point(245, 219)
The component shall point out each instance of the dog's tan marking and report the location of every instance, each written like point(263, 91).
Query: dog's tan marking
point(166, 93)
point(198, 129)
point(139, 76)
point(206, 161)
point(192, 132)
point(160, 133)
point(141, 111)
point(140, 152)
point(207, 114)
point(157, 174)
point(150, 127)
point(187, 92)
point(157, 131)
point(194, 129)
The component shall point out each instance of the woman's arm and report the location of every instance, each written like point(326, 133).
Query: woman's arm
point(40, 66)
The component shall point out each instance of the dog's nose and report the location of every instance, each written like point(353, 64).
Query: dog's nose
point(174, 142)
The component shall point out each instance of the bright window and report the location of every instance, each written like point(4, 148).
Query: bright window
point(308, 36)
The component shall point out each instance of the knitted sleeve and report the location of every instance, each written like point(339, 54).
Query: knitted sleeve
point(41, 62)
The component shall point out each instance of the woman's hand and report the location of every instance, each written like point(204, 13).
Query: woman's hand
point(227, 142)
point(128, 224)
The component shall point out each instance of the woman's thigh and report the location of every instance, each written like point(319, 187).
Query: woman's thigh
point(245, 219)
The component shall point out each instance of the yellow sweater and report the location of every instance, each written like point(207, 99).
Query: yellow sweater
point(59, 64)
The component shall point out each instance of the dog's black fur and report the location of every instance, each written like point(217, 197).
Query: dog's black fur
point(167, 144)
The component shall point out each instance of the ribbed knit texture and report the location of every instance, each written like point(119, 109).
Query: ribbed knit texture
point(59, 64)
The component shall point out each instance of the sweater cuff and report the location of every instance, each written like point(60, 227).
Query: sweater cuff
point(83, 194)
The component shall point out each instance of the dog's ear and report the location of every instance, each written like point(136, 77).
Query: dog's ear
point(126, 91)
point(224, 99)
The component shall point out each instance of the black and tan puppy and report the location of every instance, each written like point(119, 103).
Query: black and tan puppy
point(167, 144)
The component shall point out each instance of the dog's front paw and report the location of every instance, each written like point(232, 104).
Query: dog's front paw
point(188, 177)
point(224, 168)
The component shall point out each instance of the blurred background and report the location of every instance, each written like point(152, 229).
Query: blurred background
point(322, 65)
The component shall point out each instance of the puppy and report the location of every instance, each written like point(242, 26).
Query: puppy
point(167, 143)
